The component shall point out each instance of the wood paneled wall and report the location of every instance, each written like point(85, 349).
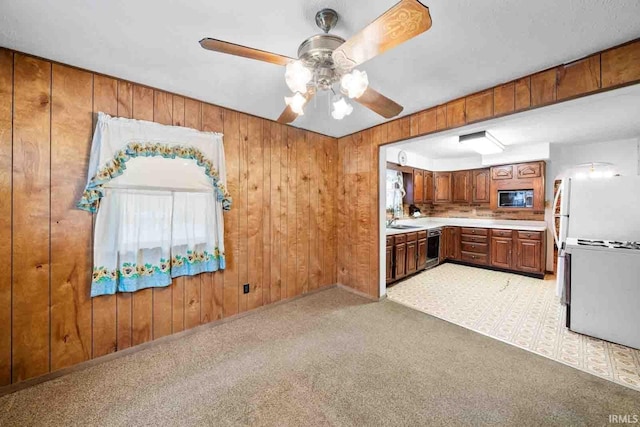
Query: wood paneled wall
point(280, 235)
point(358, 256)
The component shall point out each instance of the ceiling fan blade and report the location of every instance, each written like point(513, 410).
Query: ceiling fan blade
point(379, 103)
point(402, 22)
point(288, 115)
point(246, 52)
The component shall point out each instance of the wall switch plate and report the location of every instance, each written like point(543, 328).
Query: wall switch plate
point(245, 288)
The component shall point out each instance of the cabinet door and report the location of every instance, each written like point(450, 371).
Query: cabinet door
point(412, 256)
point(451, 248)
point(422, 254)
point(529, 253)
point(418, 186)
point(529, 170)
point(456, 243)
point(428, 187)
point(501, 250)
point(462, 186)
point(481, 180)
point(389, 269)
point(502, 172)
point(442, 193)
point(400, 260)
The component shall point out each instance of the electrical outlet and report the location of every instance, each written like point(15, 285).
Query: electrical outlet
point(246, 288)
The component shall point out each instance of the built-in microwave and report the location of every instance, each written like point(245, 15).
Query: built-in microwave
point(515, 198)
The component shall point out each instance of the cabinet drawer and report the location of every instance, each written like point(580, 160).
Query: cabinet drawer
point(400, 238)
point(412, 237)
point(475, 258)
point(529, 170)
point(530, 235)
point(467, 238)
point(480, 248)
point(502, 233)
point(422, 234)
point(475, 231)
point(389, 240)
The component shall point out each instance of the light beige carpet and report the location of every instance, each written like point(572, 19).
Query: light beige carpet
point(332, 358)
point(521, 311)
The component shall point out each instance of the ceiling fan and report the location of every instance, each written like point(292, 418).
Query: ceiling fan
point(325, 60)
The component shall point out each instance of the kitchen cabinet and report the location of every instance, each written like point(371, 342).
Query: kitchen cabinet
point(418, 186)
point(502, 172)
point(389, 263)
point(412, 254)
point(451, 240)
point(521, 176)
point(428, 187)
point(481, 183)
point(529, 255)
point(474, 245)
point(422, 250)
point(400, 259)
point(528, 170)
point(502, 249)
point(442, 187)
point(461, 187)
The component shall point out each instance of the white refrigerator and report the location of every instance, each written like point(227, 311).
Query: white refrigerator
point(604, 209)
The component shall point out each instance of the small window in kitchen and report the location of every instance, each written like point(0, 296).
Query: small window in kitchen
point(395, 193)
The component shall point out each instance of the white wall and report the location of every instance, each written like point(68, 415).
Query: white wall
point(624, 154)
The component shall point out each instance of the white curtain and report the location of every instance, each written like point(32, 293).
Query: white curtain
point(159, 193)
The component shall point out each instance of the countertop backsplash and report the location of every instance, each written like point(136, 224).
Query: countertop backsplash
point(475, 211)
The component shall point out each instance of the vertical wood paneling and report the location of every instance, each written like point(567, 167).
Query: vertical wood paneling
point(523, 93)
point(543, 87)
point(275, 232)
point(302, 213)
point(504, 99)
point(364, 211)
point(31, 216)
point(177, 293)
point(377, 135)
point(241, 205)
point(579, 77)
point(621, 65)
point(6, 156)
point(211, 283)
point(142, 300)
point(105, 99)
point(441, 117)
point(266, 212)
point(343, 218)
point(124, 306)
point(255, 232)
point(192, 284)
point(283, 212)
point(291, 249)
point(456, 113)
point(162, 297)
point(315, 215)
point(71, 228)
point(280, 236)
point(232, 218)
point(479, 106)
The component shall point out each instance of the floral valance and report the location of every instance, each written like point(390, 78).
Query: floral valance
point(117, 142)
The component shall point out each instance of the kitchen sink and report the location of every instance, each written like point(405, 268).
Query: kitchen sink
point(403, 227)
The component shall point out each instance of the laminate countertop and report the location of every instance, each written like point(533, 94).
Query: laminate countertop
point(429, 223)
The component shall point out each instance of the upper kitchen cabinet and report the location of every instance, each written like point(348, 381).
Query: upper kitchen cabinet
point(461, 186)
point(428, 187)
point(481, 182)
point(442, 187)
point(517, 187)
point(418, 186)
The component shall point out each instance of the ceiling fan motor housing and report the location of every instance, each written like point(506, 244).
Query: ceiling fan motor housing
point(315, 53)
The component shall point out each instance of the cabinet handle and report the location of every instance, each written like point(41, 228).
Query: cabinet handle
point(473, 231)
point(473, 246)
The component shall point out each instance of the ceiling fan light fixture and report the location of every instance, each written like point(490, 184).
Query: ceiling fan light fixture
point(341, 109)
point(354, 84)
point(482, 142)
point(296, 102)
point(297, 76)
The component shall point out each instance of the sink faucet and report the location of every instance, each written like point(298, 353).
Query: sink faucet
point(391, 221)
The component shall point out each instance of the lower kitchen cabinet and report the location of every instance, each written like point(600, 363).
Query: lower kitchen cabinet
point(529, 255)
point(412, 253)
point(400, 260)
point(451, 239)
point(422, 251)
point(389, 262)
point(501, 250)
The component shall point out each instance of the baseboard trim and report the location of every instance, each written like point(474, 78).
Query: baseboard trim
point(357, 292)
point(12, 388)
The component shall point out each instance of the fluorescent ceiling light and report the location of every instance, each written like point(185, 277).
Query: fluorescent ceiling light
point(482, 142)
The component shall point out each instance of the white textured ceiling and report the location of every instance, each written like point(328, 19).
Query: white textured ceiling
point(607, 116)
point(472, 45)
